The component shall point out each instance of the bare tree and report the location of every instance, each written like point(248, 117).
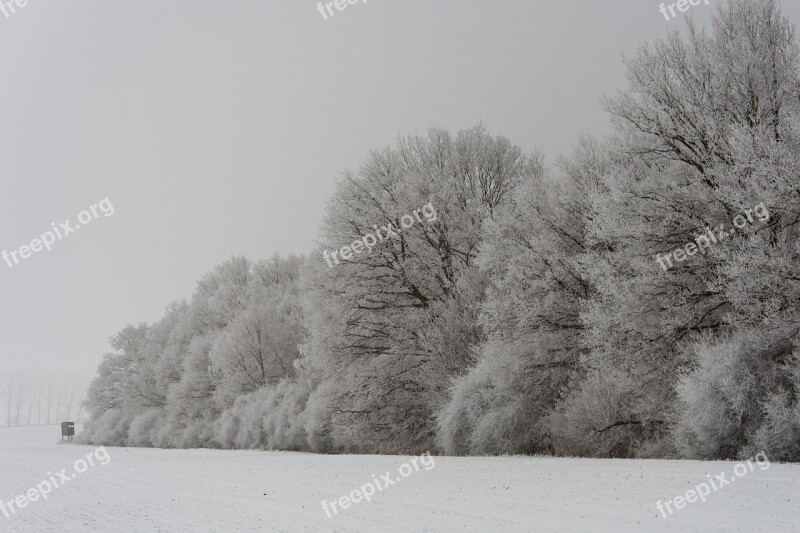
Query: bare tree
point(9, 396)
point(23, 385)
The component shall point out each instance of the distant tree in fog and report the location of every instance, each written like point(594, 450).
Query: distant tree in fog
point(35, 399)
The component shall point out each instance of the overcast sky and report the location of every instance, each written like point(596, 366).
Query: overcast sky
point(220, 128)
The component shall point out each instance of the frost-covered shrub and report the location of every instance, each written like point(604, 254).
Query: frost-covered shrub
point(108, 429)
point(318, 415)
point(598, 419)
point(716, 400)
point(499, 406)
point(737, 395)
point(270, 418)
point(779, 434)
point(284, 425)
point(458, 418)
point(145, 430)
point(229, 426)
point(197, 433)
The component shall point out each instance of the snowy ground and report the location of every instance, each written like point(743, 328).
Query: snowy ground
point(207, 490)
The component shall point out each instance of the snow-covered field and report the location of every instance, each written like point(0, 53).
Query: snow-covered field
point(237, 491)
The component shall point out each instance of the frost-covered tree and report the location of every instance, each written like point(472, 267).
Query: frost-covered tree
point(375, 304)
point(168, 384)
point(672, 177)
point(531, 318)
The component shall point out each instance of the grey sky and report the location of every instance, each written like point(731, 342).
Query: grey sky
point(219, 128)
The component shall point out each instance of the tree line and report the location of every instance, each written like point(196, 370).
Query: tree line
point(532, 315)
